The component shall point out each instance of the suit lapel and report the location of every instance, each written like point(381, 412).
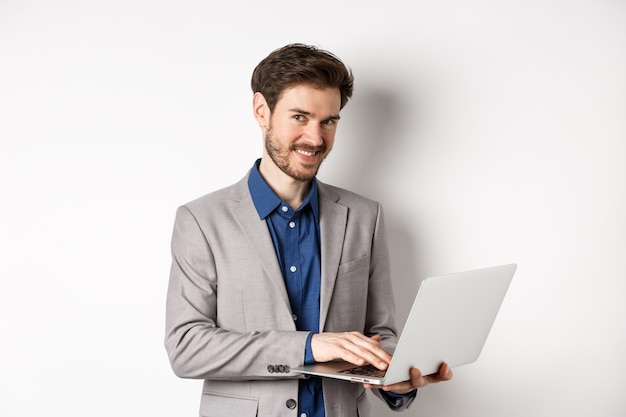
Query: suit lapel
point(259, 238)
point(333, 220)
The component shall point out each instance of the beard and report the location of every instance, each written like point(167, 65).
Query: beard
point(280, 155)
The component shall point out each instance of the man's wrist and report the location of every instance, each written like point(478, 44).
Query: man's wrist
point(398, 401)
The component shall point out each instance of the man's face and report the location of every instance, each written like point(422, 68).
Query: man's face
point(301, 130)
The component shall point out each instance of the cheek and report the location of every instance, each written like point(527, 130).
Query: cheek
point(329, 139)
point(286, 133)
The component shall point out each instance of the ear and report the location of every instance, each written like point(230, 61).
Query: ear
point(261, 110)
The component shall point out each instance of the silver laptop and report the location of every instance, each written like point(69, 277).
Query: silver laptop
point(449, 322)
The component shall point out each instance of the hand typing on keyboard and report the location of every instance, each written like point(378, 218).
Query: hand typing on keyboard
point(352, 347)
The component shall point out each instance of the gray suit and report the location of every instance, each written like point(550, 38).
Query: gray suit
point(229, 321)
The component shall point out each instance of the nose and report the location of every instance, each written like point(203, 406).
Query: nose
point(313, 134)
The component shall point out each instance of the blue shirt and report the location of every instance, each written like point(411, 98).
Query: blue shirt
point(296, 239)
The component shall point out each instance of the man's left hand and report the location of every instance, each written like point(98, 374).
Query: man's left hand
point(417, 380)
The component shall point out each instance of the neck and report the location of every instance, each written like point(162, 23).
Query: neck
point(288, 189)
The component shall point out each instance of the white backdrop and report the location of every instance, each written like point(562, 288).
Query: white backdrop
point(491, 131)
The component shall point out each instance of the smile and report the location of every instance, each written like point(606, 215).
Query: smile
point(305, 153)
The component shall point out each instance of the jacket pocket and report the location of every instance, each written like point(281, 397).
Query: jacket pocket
point(354, 265)
point(220, 405)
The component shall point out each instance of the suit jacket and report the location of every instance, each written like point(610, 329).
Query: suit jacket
point(228, 317)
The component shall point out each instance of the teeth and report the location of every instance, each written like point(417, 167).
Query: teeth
point(307, 153)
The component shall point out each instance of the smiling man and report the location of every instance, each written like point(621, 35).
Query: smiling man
point(280, 270)
point(299, 133)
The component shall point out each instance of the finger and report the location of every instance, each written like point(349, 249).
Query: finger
point(399, 388)
point(417, 380)
point(352, 347)
point(445, 373)
point(365, 348)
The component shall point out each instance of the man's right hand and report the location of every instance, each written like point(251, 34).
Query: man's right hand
point(352, 347)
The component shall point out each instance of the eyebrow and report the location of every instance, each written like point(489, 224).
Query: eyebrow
point(308, 113)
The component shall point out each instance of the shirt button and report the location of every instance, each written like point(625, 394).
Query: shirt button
point(294, 317)
point(285, 209)
point(292, 224)
point(291, 403)
point(293, 269)
point(303, 415)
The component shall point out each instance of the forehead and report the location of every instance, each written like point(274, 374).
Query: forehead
point(310, 98)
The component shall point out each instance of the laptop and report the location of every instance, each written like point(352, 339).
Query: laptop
point(450, 320)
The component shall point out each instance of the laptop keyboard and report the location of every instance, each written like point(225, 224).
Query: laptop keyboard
point(365, 370)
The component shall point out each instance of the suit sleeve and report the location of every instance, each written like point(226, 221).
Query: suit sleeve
point(196, 345)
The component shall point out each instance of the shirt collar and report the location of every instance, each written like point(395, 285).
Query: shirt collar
point(265, 199)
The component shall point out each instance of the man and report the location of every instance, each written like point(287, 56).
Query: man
point(280, 269)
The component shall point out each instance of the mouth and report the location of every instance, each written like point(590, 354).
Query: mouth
point(305, 152)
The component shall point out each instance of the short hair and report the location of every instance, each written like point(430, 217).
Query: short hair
point(297, 64)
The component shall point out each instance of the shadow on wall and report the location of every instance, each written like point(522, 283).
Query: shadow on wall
point(384, 129)
point(380, 126)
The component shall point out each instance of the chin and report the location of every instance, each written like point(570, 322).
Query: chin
point(302, 175)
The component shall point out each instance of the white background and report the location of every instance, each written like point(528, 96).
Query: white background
point(492, 132)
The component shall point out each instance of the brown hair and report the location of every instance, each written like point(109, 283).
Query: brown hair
point(300, 64)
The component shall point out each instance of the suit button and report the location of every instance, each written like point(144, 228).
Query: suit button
point(291, 403)
point(281, 368)
point(270, 369)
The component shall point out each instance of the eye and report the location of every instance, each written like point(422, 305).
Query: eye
point(329, 122)
point(299, 117)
